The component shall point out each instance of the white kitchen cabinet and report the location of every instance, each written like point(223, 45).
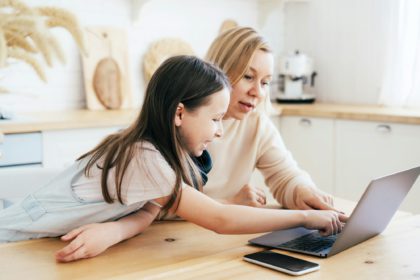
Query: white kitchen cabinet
point(366, 150)
point(311, 142)
point(62, 147)
point(20, 149)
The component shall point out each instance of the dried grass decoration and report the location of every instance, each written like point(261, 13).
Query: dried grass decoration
point(161, 50)
point(25, 34)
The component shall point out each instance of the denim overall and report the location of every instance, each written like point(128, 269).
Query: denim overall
point(54, 210)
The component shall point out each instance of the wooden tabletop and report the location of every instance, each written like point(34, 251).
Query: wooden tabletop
point(181, 250)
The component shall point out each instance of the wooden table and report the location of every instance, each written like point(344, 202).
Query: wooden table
point(181, 250)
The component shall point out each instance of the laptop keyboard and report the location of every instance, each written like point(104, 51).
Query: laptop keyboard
point(312, 242)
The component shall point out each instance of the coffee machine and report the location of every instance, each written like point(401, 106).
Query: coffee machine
point(296, 76)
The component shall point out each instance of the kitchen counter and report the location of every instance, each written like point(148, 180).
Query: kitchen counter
point(39, 121)
point(351, 112)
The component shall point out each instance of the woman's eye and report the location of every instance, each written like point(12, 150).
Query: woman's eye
point(265, 83)
point(248, 77)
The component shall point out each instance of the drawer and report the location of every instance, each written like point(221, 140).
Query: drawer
point(21, 149)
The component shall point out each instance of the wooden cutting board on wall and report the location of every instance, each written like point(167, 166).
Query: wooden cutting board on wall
point(105, 69)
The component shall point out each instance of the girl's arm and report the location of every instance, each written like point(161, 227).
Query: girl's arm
point(234, 219)
point(92, 239)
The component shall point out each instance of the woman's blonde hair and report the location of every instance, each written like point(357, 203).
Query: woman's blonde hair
point(233, 50)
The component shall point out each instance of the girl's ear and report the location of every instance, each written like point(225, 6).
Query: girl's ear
point(179, 114)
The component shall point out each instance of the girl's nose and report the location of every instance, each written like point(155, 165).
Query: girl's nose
point(219, 131)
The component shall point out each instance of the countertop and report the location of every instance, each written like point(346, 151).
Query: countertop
point(57, 120)
point(38, 121)
point(351, 112)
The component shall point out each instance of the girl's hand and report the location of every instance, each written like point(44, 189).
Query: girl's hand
point(250, 196)
point(326, 221)
point(88, 241)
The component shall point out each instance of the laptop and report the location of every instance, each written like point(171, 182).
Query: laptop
point(372, 214)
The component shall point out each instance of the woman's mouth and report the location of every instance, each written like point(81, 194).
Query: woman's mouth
point(246, 107)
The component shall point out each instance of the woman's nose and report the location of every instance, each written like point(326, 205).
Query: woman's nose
point(257, 91)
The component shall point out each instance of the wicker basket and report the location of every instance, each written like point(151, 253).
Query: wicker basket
point(161, 50)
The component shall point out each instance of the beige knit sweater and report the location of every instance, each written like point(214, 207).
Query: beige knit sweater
point(253, 142)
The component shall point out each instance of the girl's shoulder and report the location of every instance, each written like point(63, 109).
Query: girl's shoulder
point(148, 175)
point(145, 145)
point(146, 149)
point(149, 155)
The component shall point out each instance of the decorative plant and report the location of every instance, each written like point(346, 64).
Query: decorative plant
point(25, 34)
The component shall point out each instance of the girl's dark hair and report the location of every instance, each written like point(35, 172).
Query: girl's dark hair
point(180, 79)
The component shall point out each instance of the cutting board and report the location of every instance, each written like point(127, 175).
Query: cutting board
point(105, 69)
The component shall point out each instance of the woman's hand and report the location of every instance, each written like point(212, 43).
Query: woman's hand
point(326, 221)
point(250, 196)
point(88, 241)
point(306, 198)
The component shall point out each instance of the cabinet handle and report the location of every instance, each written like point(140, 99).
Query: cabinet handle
point(383, 128)
point(305, 122)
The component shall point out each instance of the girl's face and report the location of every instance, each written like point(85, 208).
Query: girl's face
point(199, 127)
point(252, 87)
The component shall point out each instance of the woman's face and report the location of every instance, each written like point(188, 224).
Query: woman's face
point(199, 127)
point(251, 89)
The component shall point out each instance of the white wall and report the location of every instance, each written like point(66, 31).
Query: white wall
point(347, 40)
point(197, 22)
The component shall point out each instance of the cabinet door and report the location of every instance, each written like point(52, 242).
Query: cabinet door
point(367, 150)
point(20, 149)
point(310, 141)
point(63, 147)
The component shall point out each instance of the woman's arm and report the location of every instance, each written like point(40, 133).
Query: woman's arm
point(235, 219)
point(91, 240)
point(292, 187)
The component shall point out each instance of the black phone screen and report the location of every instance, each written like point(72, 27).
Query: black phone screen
point(282, 261)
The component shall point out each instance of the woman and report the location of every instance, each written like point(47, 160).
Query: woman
point(251, 140)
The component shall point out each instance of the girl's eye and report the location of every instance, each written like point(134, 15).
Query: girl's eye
point(248, 77)
point(265, 83)
point(219, 119)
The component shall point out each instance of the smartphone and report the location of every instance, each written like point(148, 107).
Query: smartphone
point(283, 263)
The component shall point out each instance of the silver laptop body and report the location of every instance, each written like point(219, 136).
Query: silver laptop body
point(372, 214)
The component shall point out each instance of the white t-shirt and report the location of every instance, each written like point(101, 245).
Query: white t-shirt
point(148, 176)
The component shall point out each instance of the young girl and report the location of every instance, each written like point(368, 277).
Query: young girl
point(147, 167)
point(141, 167)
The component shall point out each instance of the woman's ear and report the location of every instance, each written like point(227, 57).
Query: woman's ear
point(179, 114)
